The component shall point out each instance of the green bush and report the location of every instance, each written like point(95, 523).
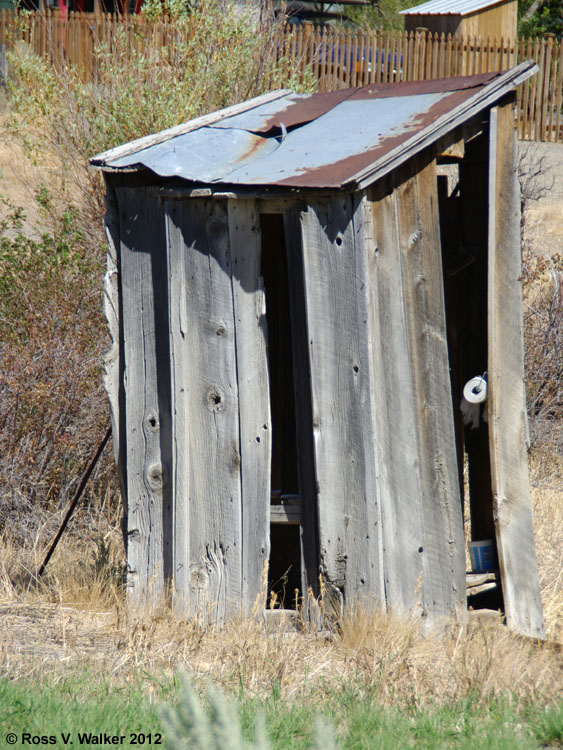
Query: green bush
point(188, 725)
point(540, 18)
point(210, 57)
point(51, 341)
point(382, 14)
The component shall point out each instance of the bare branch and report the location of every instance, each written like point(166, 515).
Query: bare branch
point(532, 9)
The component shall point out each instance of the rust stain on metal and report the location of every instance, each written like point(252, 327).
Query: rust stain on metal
point(256, 146)
point(305, 110)
point(313, 106)
point(414, 88)
point(338, 173)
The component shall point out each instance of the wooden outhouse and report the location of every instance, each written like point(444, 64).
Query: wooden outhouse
point(298, 289)
point(494, 19)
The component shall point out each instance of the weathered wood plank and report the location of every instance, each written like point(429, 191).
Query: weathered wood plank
point(285, 514)
point(179, 369)
point(340, 374)
point(254, 394)
point(398, 463)
point(208, 374)
point(482, 588)
point(113, 357)
point(449, 208)
point(144, 325)
point(478, 579)
point(443, 555)
point(507, 398)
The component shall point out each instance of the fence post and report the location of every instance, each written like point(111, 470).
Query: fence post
point(550, 87)
point(336, 59)
point(559, 87)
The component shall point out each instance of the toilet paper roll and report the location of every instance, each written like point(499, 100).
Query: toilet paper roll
point(475, 390)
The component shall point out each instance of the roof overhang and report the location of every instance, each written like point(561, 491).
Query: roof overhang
point(345, 139)
point(452, 7)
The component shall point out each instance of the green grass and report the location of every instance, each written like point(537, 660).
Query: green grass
point(364, 724)
point(73, 706)
point(83, 704)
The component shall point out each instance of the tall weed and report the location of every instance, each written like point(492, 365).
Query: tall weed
point(543, 334)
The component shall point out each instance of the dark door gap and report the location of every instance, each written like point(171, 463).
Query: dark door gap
point(284, 578)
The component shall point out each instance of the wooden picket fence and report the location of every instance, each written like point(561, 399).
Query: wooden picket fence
point(346, 59)
point(336, 60)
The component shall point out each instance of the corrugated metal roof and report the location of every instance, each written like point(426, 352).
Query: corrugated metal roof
point(208, 154)
point(340, 139)
point(450, 7)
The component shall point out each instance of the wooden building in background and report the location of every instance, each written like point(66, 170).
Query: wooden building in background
point(493, 19)
point(298, 289)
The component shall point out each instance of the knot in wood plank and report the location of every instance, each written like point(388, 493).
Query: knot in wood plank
point(152, 423)
point(156, 476)
point(215, 399)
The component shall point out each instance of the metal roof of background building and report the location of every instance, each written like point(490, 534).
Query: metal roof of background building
point(450, 7)
point(342, 139)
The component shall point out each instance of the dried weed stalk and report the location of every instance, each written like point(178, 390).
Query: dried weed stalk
point(543, 335)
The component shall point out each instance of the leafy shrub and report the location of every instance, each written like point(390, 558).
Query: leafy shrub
point(381, 15)
point(51, 338)
point(189, 725)
point(540, 17)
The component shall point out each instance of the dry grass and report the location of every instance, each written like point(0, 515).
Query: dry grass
point(547, 502)
point(479, 659)
point(77, 618)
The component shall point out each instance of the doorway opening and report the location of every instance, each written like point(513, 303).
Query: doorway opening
point(463, 207)
point(284, 575)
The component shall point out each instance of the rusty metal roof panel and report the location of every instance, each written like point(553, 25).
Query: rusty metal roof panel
point(319, 153)
point(341, 139)
point(205, 155)
point(266, 118)
point(107, 157)
point(295, 110)
point(326, 151)
point(292, 111)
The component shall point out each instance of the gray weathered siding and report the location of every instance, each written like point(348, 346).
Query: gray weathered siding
point(424, 557)
point(187, 375)
point(145, 386)
point(337, 329)
point(195, 402)
point(507, 397)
